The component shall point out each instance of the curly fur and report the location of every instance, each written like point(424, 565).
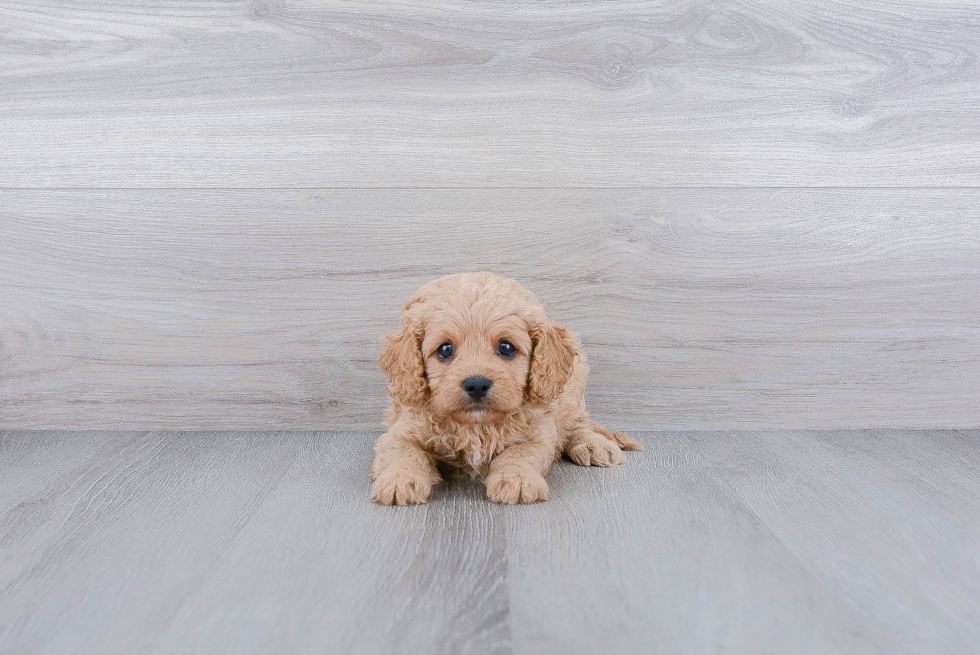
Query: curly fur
point(534, 413)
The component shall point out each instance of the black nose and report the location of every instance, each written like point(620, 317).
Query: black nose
point(477, 386)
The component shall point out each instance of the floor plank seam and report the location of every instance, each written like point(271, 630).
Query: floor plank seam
point(738, 187)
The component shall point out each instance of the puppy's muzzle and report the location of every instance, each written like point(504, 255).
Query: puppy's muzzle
point(477, 387)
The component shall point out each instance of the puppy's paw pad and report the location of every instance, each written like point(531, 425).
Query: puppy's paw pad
point(515, 487)
point(596, 452)
point(401, 489)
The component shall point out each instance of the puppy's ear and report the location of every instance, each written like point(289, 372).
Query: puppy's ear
point(552, 358)
point(401, 360)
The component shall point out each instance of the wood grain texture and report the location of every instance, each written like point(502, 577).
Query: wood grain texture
point(906, 545)
point(660, 552)
point(239, 542)
point(701, 309)
point(314, 93)
point(747, 542)
point(726, 542)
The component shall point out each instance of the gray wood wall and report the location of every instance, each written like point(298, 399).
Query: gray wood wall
point(756, 214)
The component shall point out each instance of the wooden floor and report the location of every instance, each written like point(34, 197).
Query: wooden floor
point(707, 542)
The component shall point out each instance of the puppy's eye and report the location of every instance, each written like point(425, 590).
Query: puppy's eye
point(506, 349)
point(445, 351)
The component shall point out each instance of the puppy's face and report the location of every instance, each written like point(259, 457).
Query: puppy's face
point(475, 348)
point(476, 361)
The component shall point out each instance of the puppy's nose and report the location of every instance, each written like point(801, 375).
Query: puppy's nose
point(477, 386)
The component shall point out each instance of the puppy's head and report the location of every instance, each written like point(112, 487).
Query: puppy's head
point(475, 348)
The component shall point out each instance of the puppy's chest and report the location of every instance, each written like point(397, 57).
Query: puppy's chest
point(471, 448)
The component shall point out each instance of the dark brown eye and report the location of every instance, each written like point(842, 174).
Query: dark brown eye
point(506, 349)
point(445, 351)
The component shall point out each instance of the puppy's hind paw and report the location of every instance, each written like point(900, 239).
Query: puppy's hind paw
point(595, 451)
point(620, 439)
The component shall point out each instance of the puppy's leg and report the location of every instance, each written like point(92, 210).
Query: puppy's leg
point(517, 474)
point(402, 472)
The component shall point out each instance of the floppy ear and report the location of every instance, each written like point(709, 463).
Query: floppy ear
point(401, 360)
point(552, 359)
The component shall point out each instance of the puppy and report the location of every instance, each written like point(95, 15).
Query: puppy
point(483, 383)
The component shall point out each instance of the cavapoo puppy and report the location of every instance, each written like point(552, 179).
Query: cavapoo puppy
point(482, 382)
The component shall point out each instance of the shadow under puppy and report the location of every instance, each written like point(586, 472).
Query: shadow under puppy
point(483, 382)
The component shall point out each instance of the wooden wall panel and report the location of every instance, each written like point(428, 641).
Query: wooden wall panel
point(700, 308)
point(317, 93)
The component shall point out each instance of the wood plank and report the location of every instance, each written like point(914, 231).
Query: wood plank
point(891, 522)
point(314, 94)
point(320, 569)
point(703, 309)
point(247, 542)
point(659, 555)
point(32, 460)
point(761, 542)
point(146, 520)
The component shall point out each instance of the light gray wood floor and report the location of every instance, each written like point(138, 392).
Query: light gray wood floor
point(707, 542)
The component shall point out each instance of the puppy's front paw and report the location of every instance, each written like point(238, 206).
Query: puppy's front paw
point(516, 486)
point(595, 450)
point(401, 489)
